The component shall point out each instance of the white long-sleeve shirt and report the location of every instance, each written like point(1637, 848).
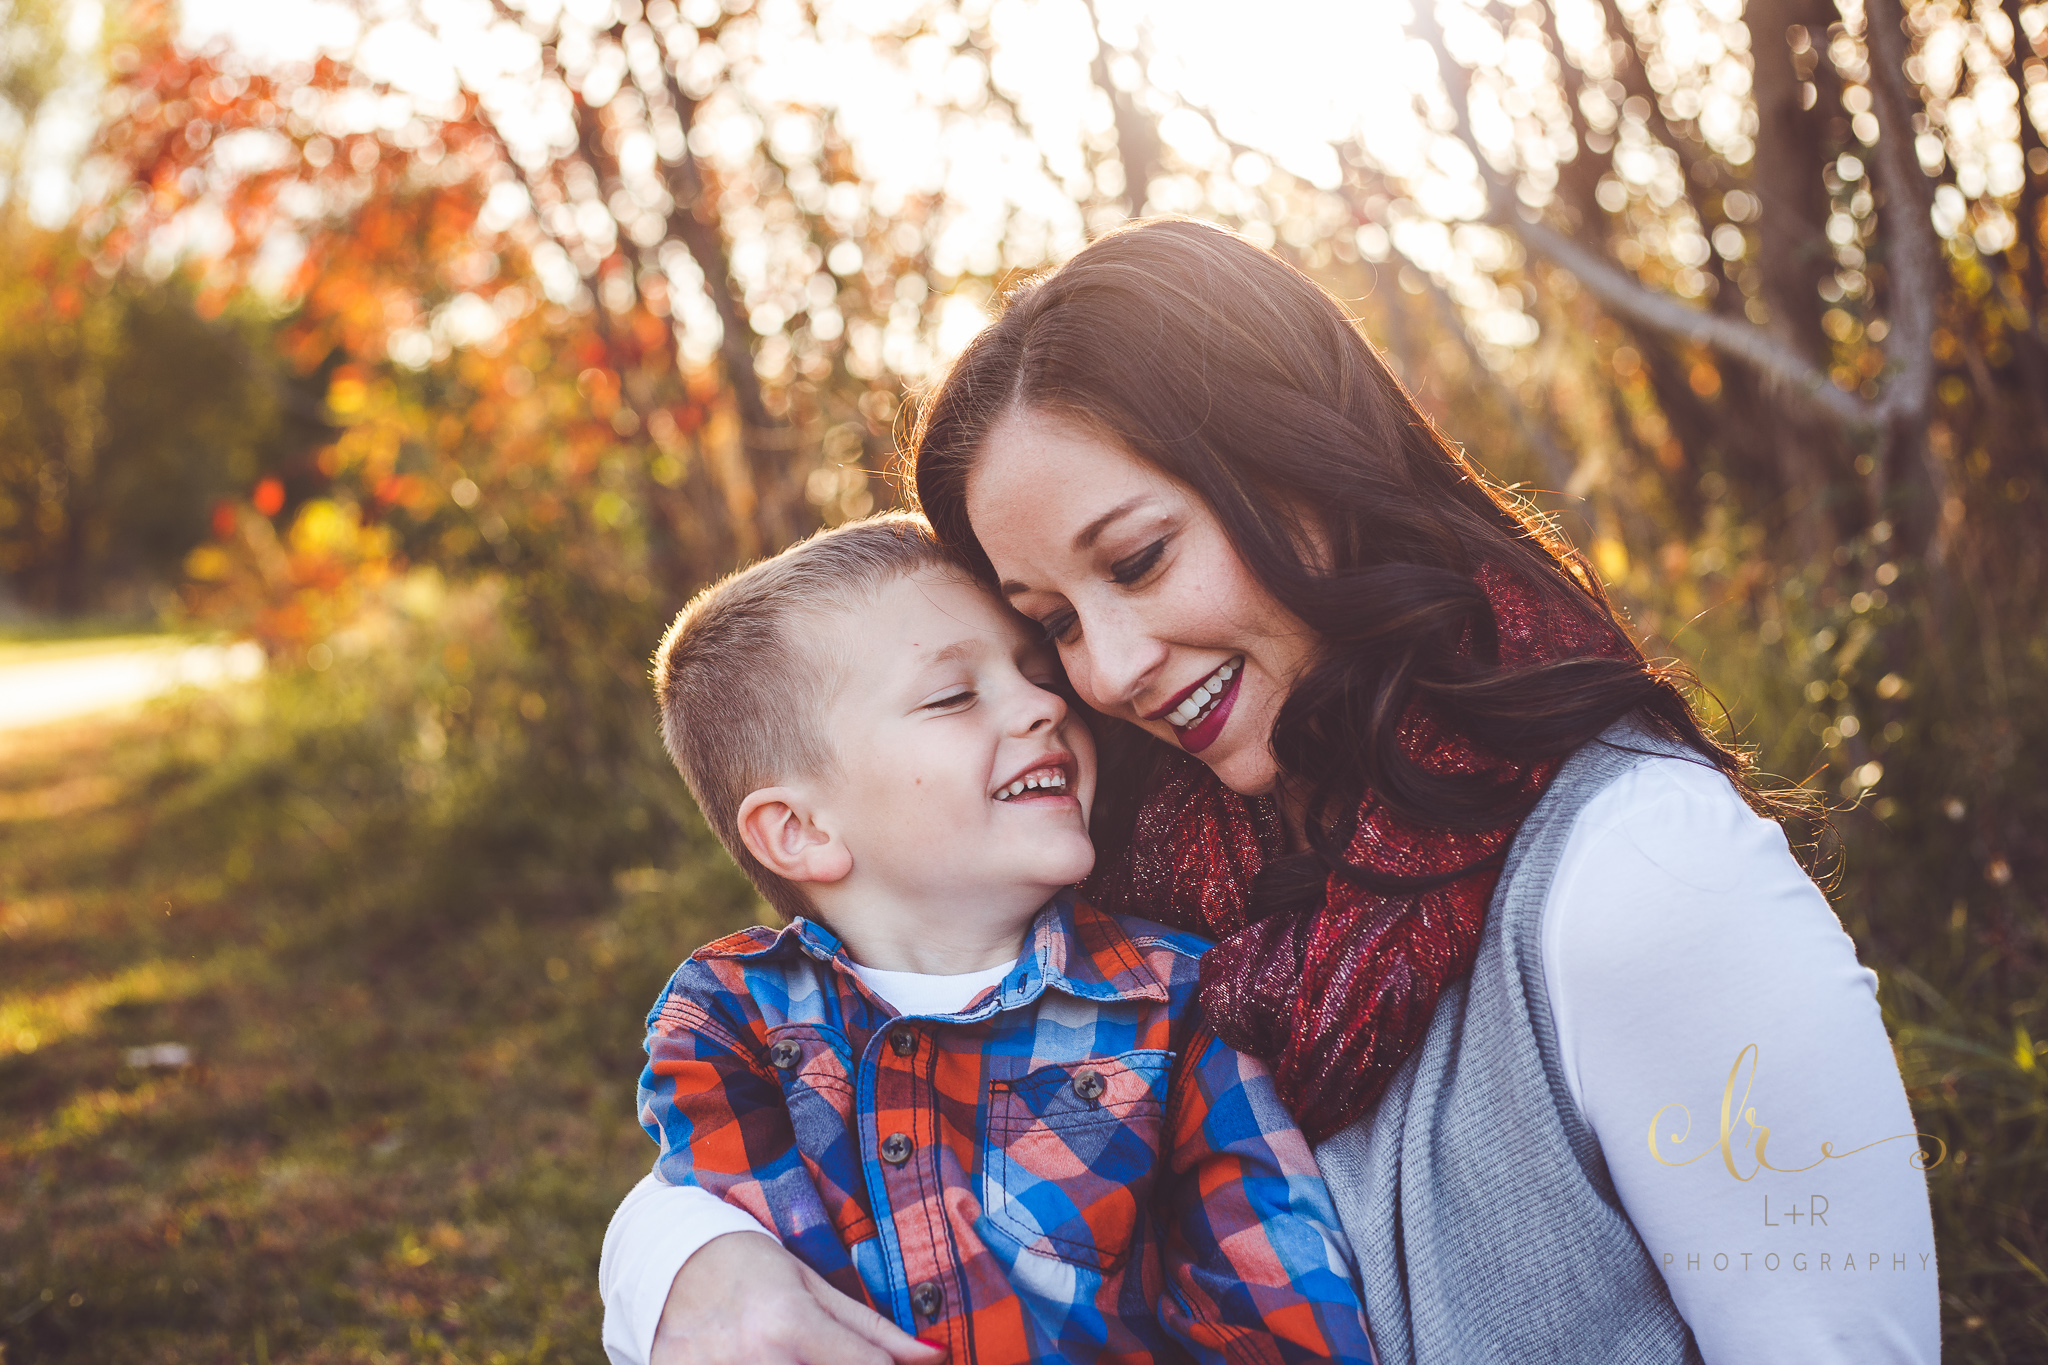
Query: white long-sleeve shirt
point(1681, 944)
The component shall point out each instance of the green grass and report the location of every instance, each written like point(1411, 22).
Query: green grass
point(410, 1105)
point(24, 628)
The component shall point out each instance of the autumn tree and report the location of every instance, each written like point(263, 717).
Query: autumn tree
point(621, 306)
point(128, 419)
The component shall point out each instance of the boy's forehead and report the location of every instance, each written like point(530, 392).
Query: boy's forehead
point(924, 618)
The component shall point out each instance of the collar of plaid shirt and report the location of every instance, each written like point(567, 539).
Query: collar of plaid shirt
point(1085, 955)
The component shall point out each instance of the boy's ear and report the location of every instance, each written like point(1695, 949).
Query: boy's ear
point(779, 828)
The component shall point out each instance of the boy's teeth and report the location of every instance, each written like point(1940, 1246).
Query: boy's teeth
point(1035, 782)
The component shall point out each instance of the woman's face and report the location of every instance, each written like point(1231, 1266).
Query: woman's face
point(1157, 619)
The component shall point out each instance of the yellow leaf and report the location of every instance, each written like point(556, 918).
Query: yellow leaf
point(347, 397)
point(327, 528)
point(208, 564)
point(1610, 556)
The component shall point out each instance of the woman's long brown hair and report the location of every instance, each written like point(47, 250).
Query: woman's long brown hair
point(1227, 369)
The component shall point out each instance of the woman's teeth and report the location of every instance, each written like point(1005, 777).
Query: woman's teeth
point(1050, 780)
point(1200, 701)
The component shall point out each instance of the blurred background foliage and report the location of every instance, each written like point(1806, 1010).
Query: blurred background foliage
point(447, 351)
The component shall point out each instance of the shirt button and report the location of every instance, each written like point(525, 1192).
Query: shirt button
point(1088, 1085)
point(928, 1298)
point(903, 1040)
point(896, 1148)
point(786, 1054)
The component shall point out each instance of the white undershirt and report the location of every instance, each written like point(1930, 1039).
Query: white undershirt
point(1678, 931)
point(917, 993)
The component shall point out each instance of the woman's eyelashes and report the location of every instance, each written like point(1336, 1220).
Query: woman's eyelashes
point(1053, 681)
point(1059, 627)
point(1128, 570)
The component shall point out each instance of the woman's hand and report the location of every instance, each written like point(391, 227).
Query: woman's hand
point(743, 1300)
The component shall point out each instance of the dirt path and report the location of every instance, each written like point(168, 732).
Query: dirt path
point(40, 683)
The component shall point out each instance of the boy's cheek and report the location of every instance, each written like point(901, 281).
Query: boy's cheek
point(927, 800)
point(1080, 742)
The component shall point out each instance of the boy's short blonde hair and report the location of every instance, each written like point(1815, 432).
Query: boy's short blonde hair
point(744, 685)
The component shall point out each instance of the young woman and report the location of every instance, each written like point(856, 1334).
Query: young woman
point(1594, 1072)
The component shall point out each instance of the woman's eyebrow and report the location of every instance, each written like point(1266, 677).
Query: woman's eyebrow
point(1087, 536)
point(1092, 532)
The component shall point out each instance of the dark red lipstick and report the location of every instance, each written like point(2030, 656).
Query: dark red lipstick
point(1203, 732)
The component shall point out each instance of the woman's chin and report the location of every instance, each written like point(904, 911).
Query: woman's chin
point(1247, 769)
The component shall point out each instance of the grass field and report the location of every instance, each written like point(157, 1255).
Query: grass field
point(405, 969)
point(404, 1119)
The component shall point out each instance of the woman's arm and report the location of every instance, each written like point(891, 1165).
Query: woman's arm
point(654, 1234)
point(1682, 943)
point(739, 1299)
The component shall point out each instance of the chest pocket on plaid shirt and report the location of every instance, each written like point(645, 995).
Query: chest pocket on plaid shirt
point(1070, 1155)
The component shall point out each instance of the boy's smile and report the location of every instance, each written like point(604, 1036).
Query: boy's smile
point(1046, 780)
point(962, 784)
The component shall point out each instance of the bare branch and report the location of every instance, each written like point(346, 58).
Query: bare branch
point(1777, 362)
point(1917, 280)
point(1578, 178)
point(1621, 291)
point(1557, 466)
point(768, 441)
point(2034, 192)
point(1913, 254)
point(1636, 81)
point(1137, 140)
point(1457, 84)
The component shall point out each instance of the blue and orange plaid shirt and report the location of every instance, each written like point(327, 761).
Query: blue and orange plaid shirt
point(1071, 1168)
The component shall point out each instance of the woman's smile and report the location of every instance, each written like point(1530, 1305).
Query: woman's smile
point(1199, 712)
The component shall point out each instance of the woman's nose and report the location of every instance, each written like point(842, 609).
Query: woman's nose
point(1114, 663)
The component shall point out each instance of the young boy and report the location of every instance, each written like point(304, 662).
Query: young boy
point(989, 1112)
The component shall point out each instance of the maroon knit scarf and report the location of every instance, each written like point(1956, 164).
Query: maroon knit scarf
point(1335, 997)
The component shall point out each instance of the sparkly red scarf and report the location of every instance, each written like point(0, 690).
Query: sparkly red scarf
point(1335, 997)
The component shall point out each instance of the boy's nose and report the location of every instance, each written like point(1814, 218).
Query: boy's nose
point(1039, 710)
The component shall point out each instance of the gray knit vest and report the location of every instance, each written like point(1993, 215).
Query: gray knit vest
point(1481, 1212)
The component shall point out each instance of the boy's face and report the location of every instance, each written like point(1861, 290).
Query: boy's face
point(945, 706)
